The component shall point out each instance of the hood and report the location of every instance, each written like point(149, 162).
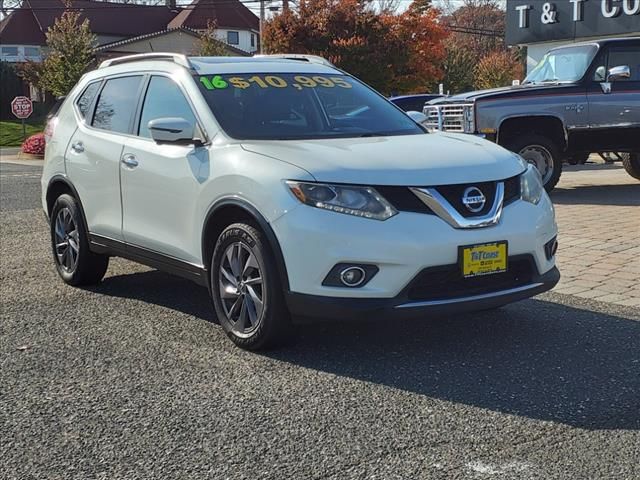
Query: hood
point(408, 160)
point(516, 90)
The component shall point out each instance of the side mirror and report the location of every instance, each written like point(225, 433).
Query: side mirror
point(617, 73)
point(417, 117)
point(175, 130)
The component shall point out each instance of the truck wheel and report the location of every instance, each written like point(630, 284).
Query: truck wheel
point(542, 152)
point(578, 158)
point(631, 163)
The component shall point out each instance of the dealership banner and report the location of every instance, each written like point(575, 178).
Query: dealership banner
point(530, 21)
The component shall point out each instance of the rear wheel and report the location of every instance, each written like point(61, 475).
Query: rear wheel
point(541, 152)
point(246, 289)
point(75, 263)
point(631, 163)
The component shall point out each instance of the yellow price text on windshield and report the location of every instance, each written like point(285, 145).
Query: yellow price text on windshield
point(299, 82)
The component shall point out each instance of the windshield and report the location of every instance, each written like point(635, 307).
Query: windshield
point(273, 106)
point(563, 65)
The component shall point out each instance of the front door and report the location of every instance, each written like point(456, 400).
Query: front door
point(161, 183)
point(614, 118)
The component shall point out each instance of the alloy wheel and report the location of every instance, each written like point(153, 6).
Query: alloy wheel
point(67, 241)
point(541, 158)
point(240, 283)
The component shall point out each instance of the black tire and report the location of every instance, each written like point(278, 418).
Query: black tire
point(578, 158)
point(631, 163)
point(529, 142)
point(88, 268)
point(270, 324)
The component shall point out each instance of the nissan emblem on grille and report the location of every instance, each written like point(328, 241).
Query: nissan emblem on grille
point(473, 199)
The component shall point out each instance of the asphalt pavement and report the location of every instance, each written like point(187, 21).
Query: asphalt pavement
point(132, 380)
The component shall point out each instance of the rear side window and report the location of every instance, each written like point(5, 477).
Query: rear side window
point(86, 99)
point(163, 99)
point(116, 104)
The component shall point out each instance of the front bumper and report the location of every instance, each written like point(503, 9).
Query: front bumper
point(313, 241)
point(335, 308)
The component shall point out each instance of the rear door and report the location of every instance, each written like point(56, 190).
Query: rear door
point(94, 152)
point(614, 118)
point(160, 183)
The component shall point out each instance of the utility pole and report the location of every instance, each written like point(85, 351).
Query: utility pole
point(261, 23)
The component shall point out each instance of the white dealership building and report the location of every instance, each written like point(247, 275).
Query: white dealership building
point(541, 25)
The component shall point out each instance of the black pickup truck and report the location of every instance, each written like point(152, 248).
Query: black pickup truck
point(580, 98)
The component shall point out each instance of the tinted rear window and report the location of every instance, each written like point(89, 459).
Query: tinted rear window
point(86, 99)
point(116, 104)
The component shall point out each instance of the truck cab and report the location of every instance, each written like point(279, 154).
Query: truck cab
point(580, 98)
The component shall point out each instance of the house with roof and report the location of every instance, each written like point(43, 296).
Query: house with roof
point(124, 29)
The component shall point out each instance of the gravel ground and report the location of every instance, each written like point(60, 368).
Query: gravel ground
point(132, 380)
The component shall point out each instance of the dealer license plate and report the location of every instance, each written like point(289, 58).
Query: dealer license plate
point(484, 259)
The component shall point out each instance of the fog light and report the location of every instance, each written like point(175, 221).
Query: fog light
point(353, 276)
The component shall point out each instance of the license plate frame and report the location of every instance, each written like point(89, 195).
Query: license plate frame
point(468, 264)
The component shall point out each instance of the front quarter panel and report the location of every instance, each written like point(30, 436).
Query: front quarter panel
point(254, 179)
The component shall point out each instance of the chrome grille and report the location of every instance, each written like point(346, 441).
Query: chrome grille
point(446, 117)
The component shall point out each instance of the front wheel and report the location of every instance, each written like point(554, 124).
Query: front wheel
point(541, 152)
point(631, 163)
point(246, 289)
point(75, 263)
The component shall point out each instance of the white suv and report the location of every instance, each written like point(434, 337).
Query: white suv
point(289, 189)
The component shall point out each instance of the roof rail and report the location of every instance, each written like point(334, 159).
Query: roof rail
point(178, 58)
point(302, 57)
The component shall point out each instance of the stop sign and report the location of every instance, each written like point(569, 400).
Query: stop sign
point(21, 107)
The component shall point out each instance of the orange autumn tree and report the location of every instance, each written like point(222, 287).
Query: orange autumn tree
point(392, 53)
point(422, 39)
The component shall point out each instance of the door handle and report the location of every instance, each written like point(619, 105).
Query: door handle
point(130, 160)
point(77, 147)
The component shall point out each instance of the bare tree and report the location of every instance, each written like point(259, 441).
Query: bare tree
point(478, 26)
point(389, 6)
point(449, 6)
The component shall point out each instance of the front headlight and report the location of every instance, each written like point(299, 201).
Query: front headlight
point(351, 200)
point(531, 188)
point(469, 119)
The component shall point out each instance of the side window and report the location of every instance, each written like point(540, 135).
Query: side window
point(629, 56)
point(116, 104)
point(86, 99)
point(163, 99)
point(233, 38)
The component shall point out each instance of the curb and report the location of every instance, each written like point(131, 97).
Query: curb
point(22, 160)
